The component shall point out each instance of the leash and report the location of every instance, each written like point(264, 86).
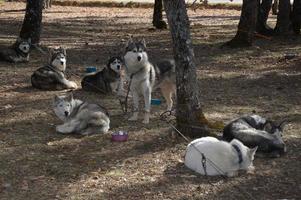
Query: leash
point(204, 160)
point(124, 104)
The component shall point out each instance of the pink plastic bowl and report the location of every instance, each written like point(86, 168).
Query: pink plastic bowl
point(120, 136)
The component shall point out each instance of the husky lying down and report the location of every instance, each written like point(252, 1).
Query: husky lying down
point(18, 53)
point(52, 75)
point(80, 117)
point(106, 81)
point(254, 130)
point(142, 74)
point(220, 157)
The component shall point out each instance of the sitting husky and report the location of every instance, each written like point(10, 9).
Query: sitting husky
point(52, 76)
point(18, 53)
point(108, 80)
point(210, 156)
point(142, 75)
point(80, 117)
point(254, 130)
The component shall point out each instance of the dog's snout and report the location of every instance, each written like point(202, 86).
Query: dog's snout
point(118, 67)
point(62, 62)
point(139, 58)
point(66, 113)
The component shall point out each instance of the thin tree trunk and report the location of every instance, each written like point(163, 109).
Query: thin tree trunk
point(247, 24)
point(158, 21)
point(189, 116)
point(275, 7)
point(296, 16)
point(32, 22)
point(283, 18)
point(263, 14)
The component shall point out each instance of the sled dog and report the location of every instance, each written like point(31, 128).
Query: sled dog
point(52, 75)
point(254, 130)
point(18, 53)
point(80, 117)
point(142, 75)
point(210, 156)
point(109, 80)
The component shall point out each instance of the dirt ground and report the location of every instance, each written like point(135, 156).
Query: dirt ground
point(37, 163)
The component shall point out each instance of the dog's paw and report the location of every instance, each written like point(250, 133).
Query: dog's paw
point(60, 129)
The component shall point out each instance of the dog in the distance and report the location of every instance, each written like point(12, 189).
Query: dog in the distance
point(108, 80)
point(254, 130)
point(18, 52)
point(210, 156)
point(52, 75)
point(80, 117)
point(142, 75)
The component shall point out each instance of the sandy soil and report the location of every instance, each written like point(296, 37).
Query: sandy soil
point(37, 163)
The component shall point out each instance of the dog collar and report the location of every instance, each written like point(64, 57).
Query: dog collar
point(238, 153)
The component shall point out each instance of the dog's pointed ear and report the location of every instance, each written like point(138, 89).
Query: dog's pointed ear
point(70, 97)
point(143, 42)
point(57, 98)
point(252, 151)
point(130, 41)
point(282, 124)
point(268, 126)
point(19, 39)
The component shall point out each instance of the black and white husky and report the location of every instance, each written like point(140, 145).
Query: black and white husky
point(109, 80)
point(52, 75)
point(210, 156)
point(142, 75)
point(18, 53)
point(254, 130)
point(80, 117)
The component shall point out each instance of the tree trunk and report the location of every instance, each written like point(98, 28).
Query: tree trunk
point(247, 24)
point(296, 16)
point(275, 7)
point(189, 115)
point(158, 21)
point(283, 18)
point(263, 14)
point(31, 27)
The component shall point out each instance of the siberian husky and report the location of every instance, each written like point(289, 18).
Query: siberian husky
point(108, 80)
point(18, 53)
point(142, 75)
point(210, 156)
point(52, 75)
point(254, 130)
point(80, 117)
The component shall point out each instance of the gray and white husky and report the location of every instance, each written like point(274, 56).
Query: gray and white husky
point(210, 156)
point(142, 75)
point(254, 130)
point(80, 117)
point(18, 53)
point(52, 75)
point(108, 80)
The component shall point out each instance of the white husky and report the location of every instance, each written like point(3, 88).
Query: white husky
point(210, 156)
point(80, 117)
point(142, 74)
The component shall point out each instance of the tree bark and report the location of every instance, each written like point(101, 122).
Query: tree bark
point(158, 21)
point(275, 7)
point(32, 22)
point(189, 115)
point(247, 24)
point(296, 16)
point(283, 24)
point(263, 14)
